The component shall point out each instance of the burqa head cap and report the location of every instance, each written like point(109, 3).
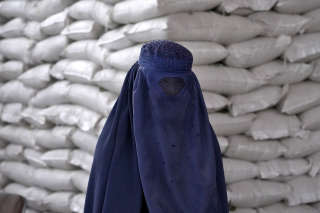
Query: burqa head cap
point(165, 55)
point(157, 152)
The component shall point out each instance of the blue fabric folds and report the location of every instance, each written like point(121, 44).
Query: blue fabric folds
point(157, 152)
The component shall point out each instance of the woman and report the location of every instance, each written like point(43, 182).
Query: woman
point(157, 152)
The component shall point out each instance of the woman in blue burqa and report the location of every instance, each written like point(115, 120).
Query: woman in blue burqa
point(157, 151)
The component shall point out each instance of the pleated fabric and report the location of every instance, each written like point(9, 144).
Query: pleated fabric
point(157, 151)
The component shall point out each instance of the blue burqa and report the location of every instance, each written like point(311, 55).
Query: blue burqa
point(157, 152)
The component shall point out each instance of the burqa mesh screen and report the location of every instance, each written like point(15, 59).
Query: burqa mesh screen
point(157, 151)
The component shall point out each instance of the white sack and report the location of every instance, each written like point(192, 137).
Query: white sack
point(315, 75)
point(84, 140)
point(54, 24)
point(314, 160)
point(91, 97)
point(304, 48)
point(59, 201)
point(237, 170)
point(271, 124)
point(18, 48)
point(39, 10)
point(226, 80)
point(10, 70)
point(301, 96)
point(310, 119)
point(81, 159)
point(223, 143)
point(301, 147)
point(58, 158)
point(37, 77)
point(78, 71)
point(304, 190)
point(282, 208)
point(77, 203)
point(49, 50)
point(31, 211)
point(131, 54)
point(15, 188)
point(133, 11)
point(256, 51)
point(80, 180)
point(32, 116)
point(96, 10)
point(296, 6)
point(86, 50)
point(279, 168)
point(56, 93)
point(57, 137)
point(214, 102)
point(83, 29)
point(202, 26)
point(110, 79)
point(13, 28)
point(255, 193)
point(11, 8)
point(257, 100)
point(57, 69)
point(19, 172)
point(33, 158)
point(279, 72)
point(246, 148)
point(116, 39)
point(15, 91)
point(74, 115)
point(11, 113)
point(314, 24)
point(53, 179)
point(14, 152)
point(277, 24)
point(21, 135)
point(33, 31)
point(225, 124)
point(232, 6)
point(203, 52)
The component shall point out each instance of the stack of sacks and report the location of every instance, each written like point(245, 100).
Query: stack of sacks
point(63, 62)
point(52, 109)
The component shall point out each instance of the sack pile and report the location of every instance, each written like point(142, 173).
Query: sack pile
point(63, 62)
